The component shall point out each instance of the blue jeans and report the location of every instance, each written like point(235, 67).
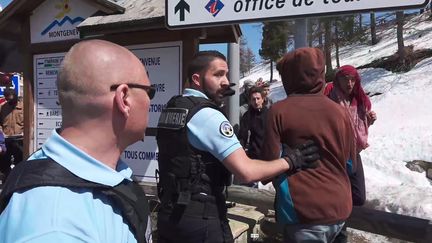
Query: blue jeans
point(311, 233)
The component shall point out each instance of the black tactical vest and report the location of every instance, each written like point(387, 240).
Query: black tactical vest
point(128, 195)
point(184, 170)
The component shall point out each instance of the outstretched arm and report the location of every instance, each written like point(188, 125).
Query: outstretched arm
point(249, 170)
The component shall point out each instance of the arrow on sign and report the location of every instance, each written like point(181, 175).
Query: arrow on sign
point(182, 6)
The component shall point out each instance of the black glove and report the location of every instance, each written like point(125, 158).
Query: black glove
point(305, 156)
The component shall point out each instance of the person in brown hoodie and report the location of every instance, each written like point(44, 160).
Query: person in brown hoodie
point(312, 204)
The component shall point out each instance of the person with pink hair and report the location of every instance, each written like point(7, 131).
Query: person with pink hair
point(347, 91)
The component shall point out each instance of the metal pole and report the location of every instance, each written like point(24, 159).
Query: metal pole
point(234, 77)
point(300, 37)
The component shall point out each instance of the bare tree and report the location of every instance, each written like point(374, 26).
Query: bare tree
point(374, 39)
point(251, 60)
point(400, 40)
point(328, 44)
point(310, 31)
point(336, 41)
point(360, 23)
point(247, 57)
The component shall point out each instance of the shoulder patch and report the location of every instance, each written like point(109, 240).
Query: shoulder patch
point(226, 129)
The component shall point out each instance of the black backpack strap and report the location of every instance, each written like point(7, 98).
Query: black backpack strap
point(36, 173)
point(133, 201)
point(127, 195)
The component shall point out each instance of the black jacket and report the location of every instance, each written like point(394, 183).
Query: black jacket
point(251, 132)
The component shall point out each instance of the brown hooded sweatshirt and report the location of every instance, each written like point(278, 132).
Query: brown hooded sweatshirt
point(312, 196)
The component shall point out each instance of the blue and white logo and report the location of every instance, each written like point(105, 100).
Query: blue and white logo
point(214, 7)
point(226, 129)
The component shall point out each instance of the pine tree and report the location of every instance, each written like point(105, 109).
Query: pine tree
point(274, 42)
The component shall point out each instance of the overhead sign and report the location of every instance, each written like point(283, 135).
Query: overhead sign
point(196, 13)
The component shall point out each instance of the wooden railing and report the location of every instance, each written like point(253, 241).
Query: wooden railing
point(370, 220)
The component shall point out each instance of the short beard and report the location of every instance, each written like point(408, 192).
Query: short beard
point(214, 97)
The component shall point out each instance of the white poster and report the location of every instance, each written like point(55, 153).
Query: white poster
point(56, 20)
point(163, 62)
point(47, 107)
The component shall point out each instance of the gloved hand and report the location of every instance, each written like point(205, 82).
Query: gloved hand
point(302, 157)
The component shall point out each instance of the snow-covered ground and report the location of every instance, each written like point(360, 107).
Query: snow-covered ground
point(403, 131)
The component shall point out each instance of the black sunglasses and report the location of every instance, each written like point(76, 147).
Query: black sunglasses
point(149, 89)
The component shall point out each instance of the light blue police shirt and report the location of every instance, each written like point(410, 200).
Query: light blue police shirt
point(57, 214)
point(209, 130)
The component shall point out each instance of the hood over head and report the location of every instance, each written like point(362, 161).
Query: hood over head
point(347, 70)
point(359, 94)
point(302, 71)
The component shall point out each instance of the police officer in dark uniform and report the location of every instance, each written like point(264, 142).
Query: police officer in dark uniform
point(198, 151)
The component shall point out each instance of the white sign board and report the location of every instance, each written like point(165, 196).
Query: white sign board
point(56, 20)
point(195, 13)
point(163, 62)
point(47, 107)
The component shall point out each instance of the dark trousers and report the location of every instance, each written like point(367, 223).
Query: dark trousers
point(193, 229)
point(358, 192)
point(358, 188)
point(14, 149)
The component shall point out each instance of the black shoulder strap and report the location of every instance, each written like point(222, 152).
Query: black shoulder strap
point(45, 172)
point(198, 103)
point(133, 201)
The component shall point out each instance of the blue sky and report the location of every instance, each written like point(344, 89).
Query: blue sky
point(253, 34)
point(3, 3)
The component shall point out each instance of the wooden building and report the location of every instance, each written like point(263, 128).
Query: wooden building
point(42, 31)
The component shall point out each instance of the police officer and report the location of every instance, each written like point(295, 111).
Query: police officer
point(198, 151)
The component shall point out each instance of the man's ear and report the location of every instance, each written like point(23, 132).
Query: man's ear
point(196, 79)
point(122, 99)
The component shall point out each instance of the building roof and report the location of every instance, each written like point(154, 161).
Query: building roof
point(119, 16)
point(138, 15)
point(141, 15)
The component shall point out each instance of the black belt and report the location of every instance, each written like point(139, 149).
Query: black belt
point(199, 206)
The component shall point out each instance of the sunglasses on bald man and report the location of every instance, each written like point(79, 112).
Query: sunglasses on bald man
point(149, 89)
